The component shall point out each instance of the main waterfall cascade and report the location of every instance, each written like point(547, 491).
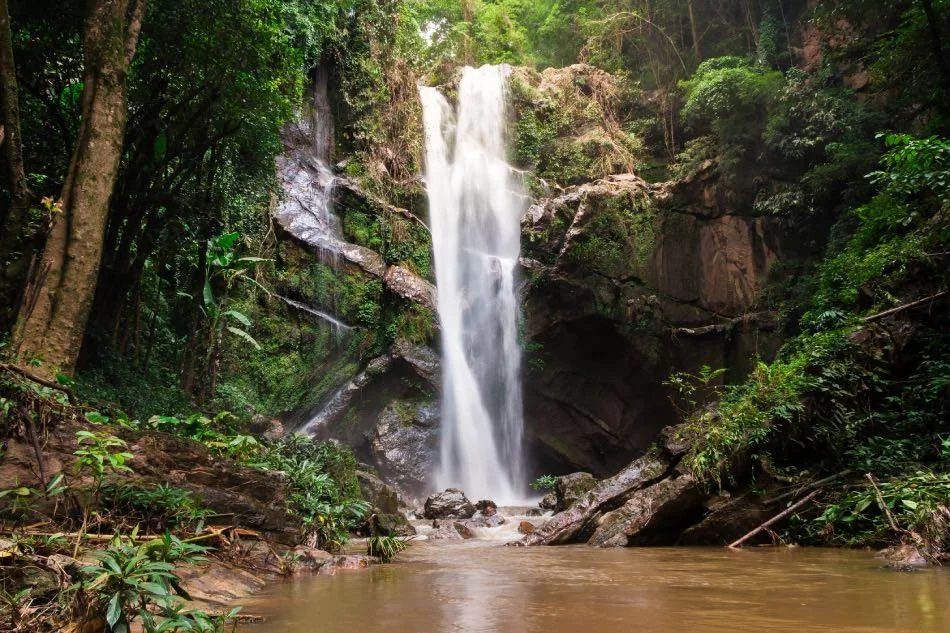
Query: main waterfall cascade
point(476, 202)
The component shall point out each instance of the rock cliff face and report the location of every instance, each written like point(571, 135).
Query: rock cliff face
point(626, 282)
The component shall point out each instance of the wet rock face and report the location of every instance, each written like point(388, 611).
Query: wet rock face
point(451, 503)
point(381, 495)
point(405, 444)
point(651, 516)
point(570, 488)
point(726, 519)
point(578, 522)
point(620, 269)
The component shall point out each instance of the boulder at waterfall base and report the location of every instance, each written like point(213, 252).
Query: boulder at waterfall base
point(451, 503)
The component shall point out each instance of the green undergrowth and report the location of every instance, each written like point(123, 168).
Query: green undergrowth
point(856, 391)
point(134, 580)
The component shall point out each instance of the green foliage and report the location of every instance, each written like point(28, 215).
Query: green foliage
point(857, 518)
point(692, 388)
point(324, 490)
point(100, 453)
point(386, 548)
point(544, 482)
point(157, 507)
point(915, 167)
point(895, 48)
point(619, 239)
point(745, 419)
point(894, 232)
point(414, 323)
point(730, 97)
point(138, 582)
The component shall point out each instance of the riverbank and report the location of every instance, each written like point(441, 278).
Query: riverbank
point(108, 520)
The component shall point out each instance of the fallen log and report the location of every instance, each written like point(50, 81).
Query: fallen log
point(906, 306)
point(778, 517)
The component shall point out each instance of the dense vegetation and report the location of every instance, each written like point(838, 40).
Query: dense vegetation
point(142, 274)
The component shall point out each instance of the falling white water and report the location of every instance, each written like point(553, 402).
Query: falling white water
point(475, 206)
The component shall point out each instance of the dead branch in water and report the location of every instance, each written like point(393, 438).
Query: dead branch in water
point(778, 517)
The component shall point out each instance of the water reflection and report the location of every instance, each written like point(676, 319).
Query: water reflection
point(473, 586)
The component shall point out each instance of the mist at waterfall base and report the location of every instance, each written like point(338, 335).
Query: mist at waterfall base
point(475, 206)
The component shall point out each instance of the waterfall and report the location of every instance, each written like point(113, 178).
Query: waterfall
point(475, 207)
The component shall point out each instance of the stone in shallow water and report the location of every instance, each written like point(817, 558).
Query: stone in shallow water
point(486, 507)
point(443, 531)
point(481, 521)
point(526, 527)
point(451, 503)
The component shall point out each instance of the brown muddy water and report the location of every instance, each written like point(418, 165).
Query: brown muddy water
point(480, 586)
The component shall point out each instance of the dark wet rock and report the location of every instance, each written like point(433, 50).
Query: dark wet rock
point(577, 522)
point(348, 561)
point(726, 518)
point(450, 503)
point(482, 521)
point(532, 512)
point(653, 515)
point(676, 292)
point(526, 527)
point(486, 507)
point(422, 358)
point(42, 582)
point(318, 424)
point(671, 442)
point(443, 531)
point(548, 501)
point(381, 495)
point(310, 558)
point(408, 285)
point(570, 488)
point(268, 427)
point(405, 444)
point(904, 557)
point(464, 529)
point(393, 525)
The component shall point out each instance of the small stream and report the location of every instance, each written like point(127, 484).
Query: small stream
point(479, 585)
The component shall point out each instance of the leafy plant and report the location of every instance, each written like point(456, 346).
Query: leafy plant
point(160, 506)
point(99, 453)
point(133, 582)
point(386, 548)
point(544, 482)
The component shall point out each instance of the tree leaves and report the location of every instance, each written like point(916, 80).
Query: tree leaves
point(241, 333)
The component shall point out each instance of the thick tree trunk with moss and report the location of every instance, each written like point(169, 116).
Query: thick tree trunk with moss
point(58, 297)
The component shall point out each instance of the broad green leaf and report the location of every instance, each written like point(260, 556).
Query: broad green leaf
point(244, 335)
point(114, 610)
point(207, 294)
point(238, 316)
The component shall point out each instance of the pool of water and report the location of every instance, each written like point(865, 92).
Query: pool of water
point(480, 585)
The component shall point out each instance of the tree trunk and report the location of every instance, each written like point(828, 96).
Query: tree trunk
point(11, 226)
point(53, 329)
point(697, 51)
point(937, 44)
